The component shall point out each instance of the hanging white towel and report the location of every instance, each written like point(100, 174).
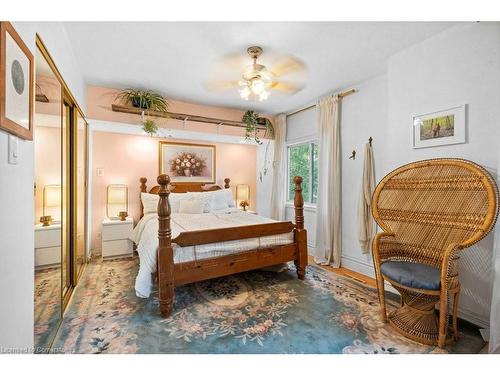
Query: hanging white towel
point(366, 225)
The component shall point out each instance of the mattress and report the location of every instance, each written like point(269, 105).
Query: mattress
point(145, 236)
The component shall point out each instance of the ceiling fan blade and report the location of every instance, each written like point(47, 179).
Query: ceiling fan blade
point(221, 85)
point(288, 65)
point(289, 88)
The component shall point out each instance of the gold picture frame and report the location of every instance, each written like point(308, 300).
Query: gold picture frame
point(16, 83)
point(187, 163)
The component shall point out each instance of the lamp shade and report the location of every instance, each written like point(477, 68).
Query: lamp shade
point(242, 193)
point(117, 200)
point(52, 201)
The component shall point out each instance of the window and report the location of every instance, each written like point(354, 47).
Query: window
point(303, 161)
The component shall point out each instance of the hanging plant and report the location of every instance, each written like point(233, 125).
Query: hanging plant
point(252, 120)
point(149, 127)
point(144, 99)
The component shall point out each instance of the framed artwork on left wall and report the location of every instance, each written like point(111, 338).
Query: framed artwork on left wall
point(187, 162)
point(16, 83)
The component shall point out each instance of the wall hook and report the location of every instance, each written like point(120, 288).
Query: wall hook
point(370, 141)
point(353, 156)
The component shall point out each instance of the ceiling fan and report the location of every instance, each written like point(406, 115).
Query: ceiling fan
point(257, 81)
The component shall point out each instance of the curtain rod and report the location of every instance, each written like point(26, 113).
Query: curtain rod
point(340, 95)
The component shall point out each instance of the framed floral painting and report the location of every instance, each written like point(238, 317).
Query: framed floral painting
point(16, 83)
point(188, 162)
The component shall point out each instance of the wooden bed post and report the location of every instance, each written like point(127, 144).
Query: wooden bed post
point(299, 231)
point(226, 183)
point(144, 189)
point(165, 251)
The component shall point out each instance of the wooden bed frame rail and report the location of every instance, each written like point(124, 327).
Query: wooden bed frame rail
point(171, 275)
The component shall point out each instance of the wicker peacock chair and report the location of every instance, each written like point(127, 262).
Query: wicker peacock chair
point(429, 211)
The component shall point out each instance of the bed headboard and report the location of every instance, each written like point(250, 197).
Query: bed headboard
point(180, 188)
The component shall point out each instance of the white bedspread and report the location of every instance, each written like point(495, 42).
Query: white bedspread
point(145, 236)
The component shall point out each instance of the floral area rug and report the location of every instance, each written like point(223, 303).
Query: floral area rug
point(253, 312)
point(47, 306)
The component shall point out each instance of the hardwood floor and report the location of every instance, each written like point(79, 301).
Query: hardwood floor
point(368, 281)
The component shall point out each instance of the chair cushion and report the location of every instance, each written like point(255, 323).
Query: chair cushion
point(413, 275)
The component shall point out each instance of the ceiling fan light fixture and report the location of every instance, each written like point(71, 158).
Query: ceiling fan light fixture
point(244, 92)
point(257, 86)
point(264, 95)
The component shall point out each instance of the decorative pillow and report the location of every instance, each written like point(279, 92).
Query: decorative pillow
point(150, 202)
point(191, 206)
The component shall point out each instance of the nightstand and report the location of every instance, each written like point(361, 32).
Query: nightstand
point(115, 234)
point(47, 245)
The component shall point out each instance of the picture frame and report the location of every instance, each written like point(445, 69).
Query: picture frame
point(16, 83)
point(187, 162)
point(444, 127)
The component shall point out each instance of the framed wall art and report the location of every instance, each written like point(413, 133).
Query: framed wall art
point(187, 162)
point(440, 128)
point(16, 84)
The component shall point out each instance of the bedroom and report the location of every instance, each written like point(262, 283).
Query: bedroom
point(215, 190)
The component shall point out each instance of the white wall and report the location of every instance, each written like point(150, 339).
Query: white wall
point(364, 115)
point(459, 66)
point(17, 202)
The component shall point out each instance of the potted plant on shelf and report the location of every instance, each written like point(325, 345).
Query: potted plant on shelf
point(252, 120)
point(144, 99)
point(149, 127)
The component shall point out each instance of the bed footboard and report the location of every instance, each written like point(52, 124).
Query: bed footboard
point(205, 269)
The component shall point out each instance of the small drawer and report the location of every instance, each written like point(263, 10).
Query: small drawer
point(48, 238)
point(117, 248)
point(47, 256)
point(111, 232)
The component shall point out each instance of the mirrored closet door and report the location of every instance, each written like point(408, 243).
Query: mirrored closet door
point(60, 143)
point(49, 203)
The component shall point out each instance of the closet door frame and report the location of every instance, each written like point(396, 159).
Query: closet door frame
point(67, 98)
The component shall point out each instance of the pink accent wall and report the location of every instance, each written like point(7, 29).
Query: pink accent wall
point(125, 158)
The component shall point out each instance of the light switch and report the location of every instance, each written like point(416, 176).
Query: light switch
point(13, 149)
point(99, 172)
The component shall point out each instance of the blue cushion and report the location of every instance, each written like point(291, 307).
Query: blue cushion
point(413, 275)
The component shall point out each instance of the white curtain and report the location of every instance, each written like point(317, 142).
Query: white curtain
point(278, 195)
point(366, 225)
point(328, 211)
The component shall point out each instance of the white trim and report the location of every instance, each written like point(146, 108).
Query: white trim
point(135, 129)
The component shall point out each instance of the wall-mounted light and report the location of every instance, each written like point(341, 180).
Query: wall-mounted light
point(117, 201)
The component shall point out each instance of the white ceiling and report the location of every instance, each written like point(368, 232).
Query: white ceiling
point(178, 58)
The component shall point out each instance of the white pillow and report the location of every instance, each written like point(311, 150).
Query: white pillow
point(176, 198)
point(229, 197)
point(219, 200)
point(191, 206)
point(205, 197)
point(150, 202)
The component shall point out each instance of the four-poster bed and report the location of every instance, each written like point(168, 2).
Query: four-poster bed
point(170, 274)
